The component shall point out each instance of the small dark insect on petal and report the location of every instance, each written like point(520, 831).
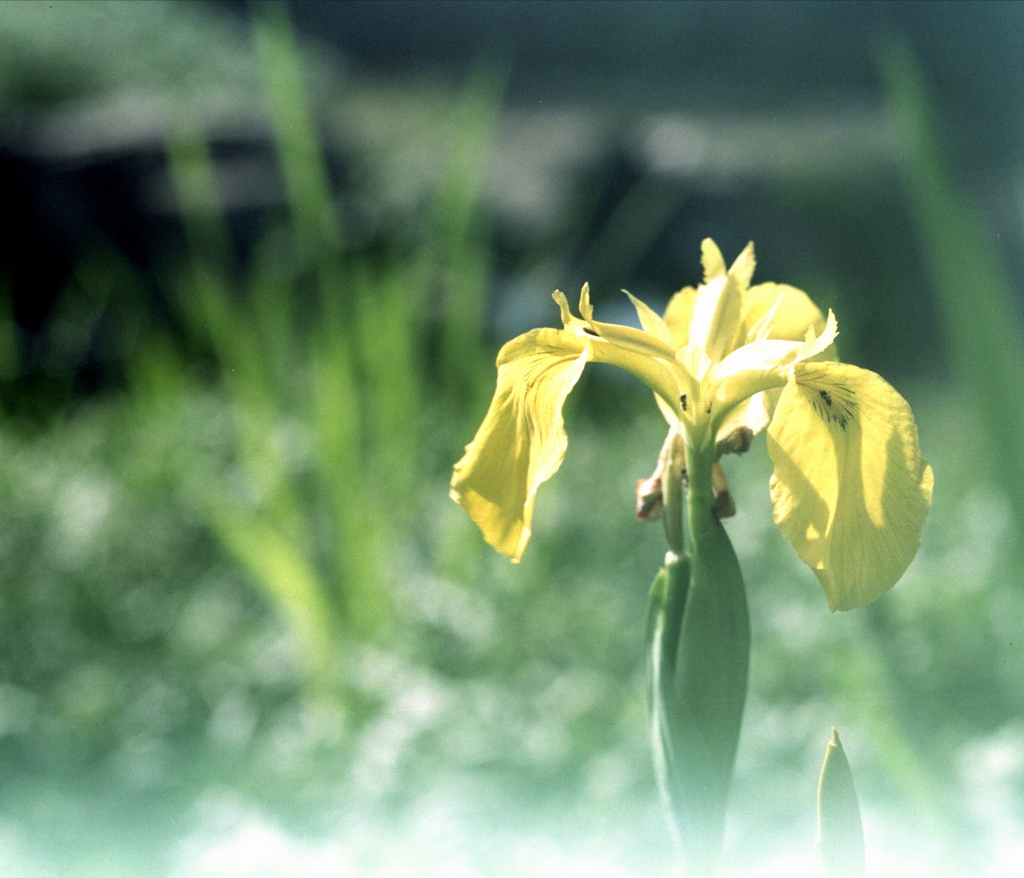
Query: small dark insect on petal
point(837, 410)
point(682, 401)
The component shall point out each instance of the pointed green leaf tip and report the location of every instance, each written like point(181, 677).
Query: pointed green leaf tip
point(839, 850)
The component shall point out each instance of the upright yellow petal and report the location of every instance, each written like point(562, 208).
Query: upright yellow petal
point(850, 491)
point(794, 311)
point(711, 259)
point(716, 317)
point(679, 316)
point(521, 442)
point(742, 268)
point(716, 322)
point(650, 320)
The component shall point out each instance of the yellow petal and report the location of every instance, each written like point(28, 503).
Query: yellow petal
point(670, 415)
point(586, 309)
point(694, 362)
point(742, 268)
point(754, 414)
point(653, 323)
point(650, 320)
point(762, 365)
point(638, 341)
point(617, 347)
point(521, 442)
point(711, 259)
point(717, 321)
point(647, 355)
point(569, 320)
point(794, 311)
point(850, 491)
point(716, 317)
point(679, 315)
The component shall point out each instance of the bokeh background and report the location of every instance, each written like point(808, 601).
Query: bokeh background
point(255, 264)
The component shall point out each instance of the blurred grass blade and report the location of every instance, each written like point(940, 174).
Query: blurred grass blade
point(976, 299)
point(285, 575)
point(389, 353)
point(347, 486)
point(258, 408)
point(464, 260)
point(839, 849)
point(194, 181)
point(271, 537)
point(317, 228)
point(334, 352)
point(270, 281)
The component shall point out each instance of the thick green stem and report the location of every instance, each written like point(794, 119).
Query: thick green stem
point(700, 499)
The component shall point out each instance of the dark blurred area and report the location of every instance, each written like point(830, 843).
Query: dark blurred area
point(630, 131)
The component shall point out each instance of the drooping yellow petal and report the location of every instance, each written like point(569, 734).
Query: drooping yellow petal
point(850, 491)
point(521, 442)
point(655, 325)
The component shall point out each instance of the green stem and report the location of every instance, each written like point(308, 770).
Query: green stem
point(700, 499)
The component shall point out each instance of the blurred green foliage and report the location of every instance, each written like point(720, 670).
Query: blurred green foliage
point(321, 355)
point(980, 304)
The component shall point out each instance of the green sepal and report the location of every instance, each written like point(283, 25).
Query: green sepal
point(664, 613)
point(698, 647)
point(839, 850)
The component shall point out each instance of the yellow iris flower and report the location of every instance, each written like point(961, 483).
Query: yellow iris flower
point(850, 491)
